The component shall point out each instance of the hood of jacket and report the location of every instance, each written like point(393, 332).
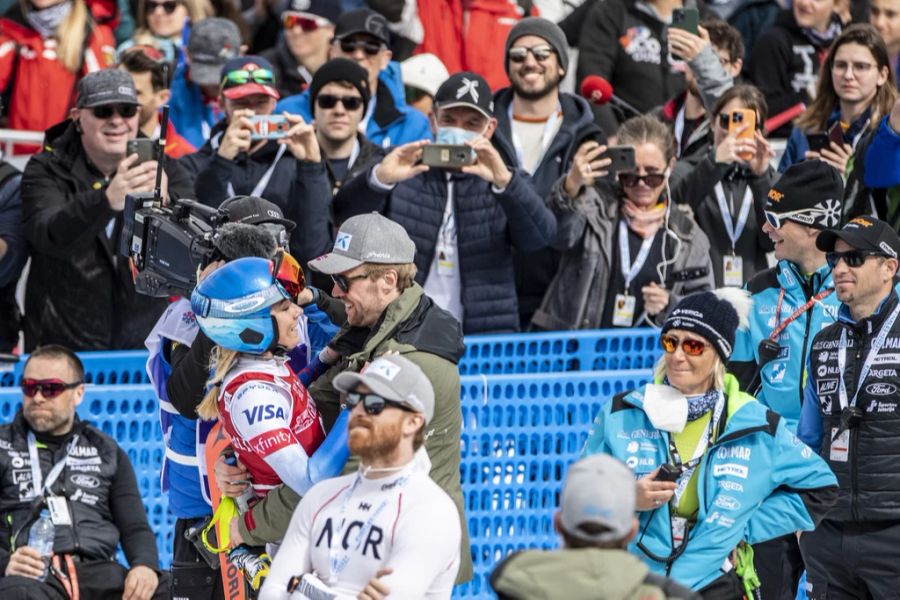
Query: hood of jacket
point(571, 574)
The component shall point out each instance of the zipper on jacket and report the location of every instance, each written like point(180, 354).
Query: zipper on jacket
point(862, 342)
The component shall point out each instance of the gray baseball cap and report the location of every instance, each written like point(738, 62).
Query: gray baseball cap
point(393, 378)
point(370, 238)
point(109, 86)
point(212, 43)
point(599, 490)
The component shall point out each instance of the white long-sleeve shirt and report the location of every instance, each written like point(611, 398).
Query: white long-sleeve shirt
point(403, 521)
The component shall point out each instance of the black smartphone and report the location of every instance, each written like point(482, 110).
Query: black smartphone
point(668, 472)
point(146, 150)
point(622, 158)
point(836, 133)
point(687, 19)
point(818, 141)
point(448, 156)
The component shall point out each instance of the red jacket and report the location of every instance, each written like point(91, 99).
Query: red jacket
point(43, 90)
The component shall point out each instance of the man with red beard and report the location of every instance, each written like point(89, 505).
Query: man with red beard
point(388, 528)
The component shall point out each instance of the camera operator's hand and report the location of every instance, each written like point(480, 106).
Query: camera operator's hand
point(401, 163)
point(130, 180)
point(301, 140)
point(25, 562)
point(685, 44)
point(237, 137)
point(488, 163)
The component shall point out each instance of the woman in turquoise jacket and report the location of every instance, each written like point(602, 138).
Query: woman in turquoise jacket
point(714, 467)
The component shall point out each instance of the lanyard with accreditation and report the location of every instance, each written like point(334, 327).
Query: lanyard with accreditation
point(59, 512)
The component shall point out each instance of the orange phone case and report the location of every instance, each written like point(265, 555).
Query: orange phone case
point(745, 117)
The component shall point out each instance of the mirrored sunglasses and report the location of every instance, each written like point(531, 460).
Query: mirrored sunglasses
point(242, 76)
point(49, 388)
point(540, 53)
point(307, 23)
point(690, 347)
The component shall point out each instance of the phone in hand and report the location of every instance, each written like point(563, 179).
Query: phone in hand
point(743, 117)
point(622, 158)
point(448, 156)
point(686, 19)
point(145, 148)
point(268, 127)
point(668, 472)
point(836, 134)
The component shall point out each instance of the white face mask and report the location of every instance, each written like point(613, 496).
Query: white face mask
point(666, 407)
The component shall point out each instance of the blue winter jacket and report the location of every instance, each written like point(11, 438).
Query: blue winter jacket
point(393, 122)
point(488, 224)
point(756, 481)
point(798, 143)
point(782, 380)
point(191, 116)
point(882, 165)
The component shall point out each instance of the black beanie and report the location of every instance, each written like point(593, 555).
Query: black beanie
point(714, 316)
point(544, 29)
point(340, 69)
point(812, 186)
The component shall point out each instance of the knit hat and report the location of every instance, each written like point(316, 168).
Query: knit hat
point(808, 193)
point(340, 69)
point(599, 490)
point(542, 28)
point(714, 316)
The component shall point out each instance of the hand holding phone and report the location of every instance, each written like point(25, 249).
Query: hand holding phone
point(268, 127)
point(448, 156)
point(743, 126)
point(145, 148)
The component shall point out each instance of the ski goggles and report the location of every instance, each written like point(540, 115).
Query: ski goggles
point(49, 388)
point(288, 274)
point(691, 347)
point(373, 404)
point(852, 258)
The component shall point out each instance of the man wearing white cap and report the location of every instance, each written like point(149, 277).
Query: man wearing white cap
point(596, 521)
point(387, 529)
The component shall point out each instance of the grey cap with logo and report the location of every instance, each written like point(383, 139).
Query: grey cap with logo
point(599, 490)
point(369, 238)
point(394, 378)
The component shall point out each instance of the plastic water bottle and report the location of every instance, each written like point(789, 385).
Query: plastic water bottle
point(41, 539)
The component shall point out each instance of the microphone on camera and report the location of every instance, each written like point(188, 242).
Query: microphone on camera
point(598, 91)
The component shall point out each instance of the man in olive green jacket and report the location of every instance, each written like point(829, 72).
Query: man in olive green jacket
point(596, 521)
point(373, 271)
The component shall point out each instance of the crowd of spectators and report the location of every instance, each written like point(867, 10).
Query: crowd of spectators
point(710, 144)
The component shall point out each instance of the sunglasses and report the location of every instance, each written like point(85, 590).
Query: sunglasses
point(49, 388)
point(650, 179)
point(147, 50)
point(852, 258)
point(372, 403)
point(288, 274)
point(776, 220)
point(344, 282)
point(328, 101)
point(370, 48)
point(168, 6)
point(126, 111)
point(242, 76)
point(690, 347)
point(540, 53)
point(305, 22)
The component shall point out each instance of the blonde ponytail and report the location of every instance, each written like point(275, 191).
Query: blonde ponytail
point(223, 360)
point(70, 36)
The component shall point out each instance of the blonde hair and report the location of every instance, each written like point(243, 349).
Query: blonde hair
point(717, 375)
point(222, 361)
point(70, 35)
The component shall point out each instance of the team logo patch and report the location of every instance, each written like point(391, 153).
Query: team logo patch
point(342, 242)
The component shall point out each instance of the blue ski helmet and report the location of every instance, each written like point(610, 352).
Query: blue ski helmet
point(232, 305)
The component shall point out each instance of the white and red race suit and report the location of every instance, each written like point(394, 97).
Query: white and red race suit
point(273, 422)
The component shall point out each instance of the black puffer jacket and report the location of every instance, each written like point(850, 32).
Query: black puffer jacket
point(80, 293)
point(100, 486)
point(489, 225)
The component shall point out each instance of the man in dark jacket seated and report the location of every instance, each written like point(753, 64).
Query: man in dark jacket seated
point(240, 158)
point(85, 483)
point(464, 222)
point(79, 292)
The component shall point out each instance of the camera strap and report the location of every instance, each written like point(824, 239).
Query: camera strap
point(264, 180)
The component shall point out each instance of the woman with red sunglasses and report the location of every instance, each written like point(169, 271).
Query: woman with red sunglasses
point(727, 189)
point(627, 256)
point(303, 47)
point(715, 469)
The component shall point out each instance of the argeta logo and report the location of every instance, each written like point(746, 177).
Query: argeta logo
point(342, 242)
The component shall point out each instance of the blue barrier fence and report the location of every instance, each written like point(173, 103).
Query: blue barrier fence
point(550, 352)
point(520, 433)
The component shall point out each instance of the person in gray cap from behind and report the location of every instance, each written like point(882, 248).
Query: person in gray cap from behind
point(539, 128)
point(193, 108)
point(73, 193)
point(391, 404)
point(467, 217)
point(372, 273)
point(596, 520)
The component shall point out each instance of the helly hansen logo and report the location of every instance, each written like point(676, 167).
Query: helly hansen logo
point(365, 506)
